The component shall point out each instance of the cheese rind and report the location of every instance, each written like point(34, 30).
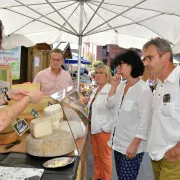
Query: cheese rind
point(41, 127)
point(57, 144)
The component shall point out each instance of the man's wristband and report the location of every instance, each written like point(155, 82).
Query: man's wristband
point(7, 97)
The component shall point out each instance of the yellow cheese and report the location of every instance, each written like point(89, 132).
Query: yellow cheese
point(27, 87)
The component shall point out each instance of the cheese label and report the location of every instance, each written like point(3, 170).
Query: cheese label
point(34, 113)
point(49, 103)
point(20, 126)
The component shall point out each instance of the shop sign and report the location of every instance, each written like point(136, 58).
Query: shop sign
point(11, 57)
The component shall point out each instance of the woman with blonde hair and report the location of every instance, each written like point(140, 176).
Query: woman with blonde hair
point(100, 119)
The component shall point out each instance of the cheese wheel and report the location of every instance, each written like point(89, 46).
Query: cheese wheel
point(57, 144)
point(8, 138)
point(56, 113)
point(9, 128)
point(41, 127)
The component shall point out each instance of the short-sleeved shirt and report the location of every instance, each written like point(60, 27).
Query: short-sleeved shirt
point(50, 83)
point(165, 131)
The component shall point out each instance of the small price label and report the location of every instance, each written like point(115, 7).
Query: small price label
point(20, 126)
point(34, 113)
point(49, 103)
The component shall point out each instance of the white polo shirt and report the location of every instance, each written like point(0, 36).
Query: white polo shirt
point(165, 131)
point(133, 116)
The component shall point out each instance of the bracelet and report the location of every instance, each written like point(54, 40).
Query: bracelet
point(30, 99)
point(7, 97)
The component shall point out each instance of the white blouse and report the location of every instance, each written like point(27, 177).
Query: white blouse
point(102, 116)
point(132, 116)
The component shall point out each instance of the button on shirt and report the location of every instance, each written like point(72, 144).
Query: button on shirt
point(165, 132)
point(133, 116)
point(50, 83)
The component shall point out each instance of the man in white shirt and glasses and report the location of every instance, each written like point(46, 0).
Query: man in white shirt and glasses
point(164, 140)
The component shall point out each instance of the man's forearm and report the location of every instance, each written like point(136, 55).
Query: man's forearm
point(2, 101)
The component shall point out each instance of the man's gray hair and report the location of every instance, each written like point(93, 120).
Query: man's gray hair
point(161, 44)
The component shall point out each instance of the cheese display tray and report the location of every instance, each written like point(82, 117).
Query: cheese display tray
point(58, 162)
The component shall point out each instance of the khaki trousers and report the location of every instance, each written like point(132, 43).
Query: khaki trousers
point(165, 170)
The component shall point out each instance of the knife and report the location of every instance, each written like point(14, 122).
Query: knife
point(12, 144)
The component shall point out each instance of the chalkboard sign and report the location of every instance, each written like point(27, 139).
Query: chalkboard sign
point(49, 103)
point(20, 126)
point(34, 113)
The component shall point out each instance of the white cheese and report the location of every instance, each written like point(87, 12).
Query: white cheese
point(56, 113)
point(41, 127)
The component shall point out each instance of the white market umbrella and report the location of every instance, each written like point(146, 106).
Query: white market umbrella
point(128, 23)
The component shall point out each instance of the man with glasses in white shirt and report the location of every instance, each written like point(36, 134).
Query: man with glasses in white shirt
point(164, 140)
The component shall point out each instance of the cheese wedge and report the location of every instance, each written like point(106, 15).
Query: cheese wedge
point(41, 127)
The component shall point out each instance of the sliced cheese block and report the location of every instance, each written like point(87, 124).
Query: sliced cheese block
point(56, 113)
point(27, 87)
point(78, 128)
point(57, 144)
point(41, 127)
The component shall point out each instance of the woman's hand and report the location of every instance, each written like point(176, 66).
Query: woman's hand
point(85, 99)
point(131, 151)
point(133, 147)
point(115, 81)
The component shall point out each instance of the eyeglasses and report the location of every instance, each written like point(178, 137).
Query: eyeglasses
point(100, 72)
point(149, 58)
point(58, 60)
point(120, 66)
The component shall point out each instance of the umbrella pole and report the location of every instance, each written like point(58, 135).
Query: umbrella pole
point(80, 43)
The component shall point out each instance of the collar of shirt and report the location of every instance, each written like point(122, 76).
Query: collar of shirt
point(173, 75)
point(104, 90)
point(50, 70)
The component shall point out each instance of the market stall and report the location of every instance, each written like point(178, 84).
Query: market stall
point(68, 138)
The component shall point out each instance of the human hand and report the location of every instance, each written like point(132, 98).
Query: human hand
point(35, 96)
point(115, 80)
point(16, 94)
point(173, 154)
point(131, 151)
point(85, 99)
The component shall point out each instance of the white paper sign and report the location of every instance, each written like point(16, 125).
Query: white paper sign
point(36, 61)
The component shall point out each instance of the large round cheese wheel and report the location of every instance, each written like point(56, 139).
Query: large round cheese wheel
point(57, 144)
point(8, 138)
point(56, 113)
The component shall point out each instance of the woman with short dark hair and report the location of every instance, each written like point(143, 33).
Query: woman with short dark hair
point(132, 100)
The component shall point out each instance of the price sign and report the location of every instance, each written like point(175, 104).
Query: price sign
point(20, 126)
